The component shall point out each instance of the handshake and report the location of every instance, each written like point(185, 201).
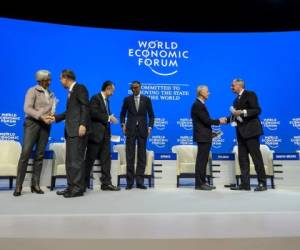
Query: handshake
point(48, 118)
point(223, 120)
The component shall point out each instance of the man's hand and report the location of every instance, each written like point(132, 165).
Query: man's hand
point(113, 119)
point(223, 120)
point(237, 112)
point(149, 130)
point(47, 119)
point(82, 130)
point(124, 129)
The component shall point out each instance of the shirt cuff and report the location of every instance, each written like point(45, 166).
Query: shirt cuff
point(245, 112)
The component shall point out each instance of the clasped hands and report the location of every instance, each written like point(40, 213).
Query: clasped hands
point(113, 119)
point(48, 118)
point(223, 120)
point(237, 113)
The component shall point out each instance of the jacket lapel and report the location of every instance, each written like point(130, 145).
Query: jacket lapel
point(141, 102)
point(203, 105)
point(103, 106)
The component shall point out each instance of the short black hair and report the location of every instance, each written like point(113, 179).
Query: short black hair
point(69, 74)
point(136, 82)
point(106, 84)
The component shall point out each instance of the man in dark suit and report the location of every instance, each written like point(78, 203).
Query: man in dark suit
point(99, 137)
point(76, 119)
point(137, 128)
point(202, 134)
point(245, 112)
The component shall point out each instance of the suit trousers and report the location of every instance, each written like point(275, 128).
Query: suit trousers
point(102, 152)
point(75, 152)
point(131, 142)
point(201, 163)
point(36, 134)
point(246, 147)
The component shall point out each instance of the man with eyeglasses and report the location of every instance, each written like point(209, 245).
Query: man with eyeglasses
point(77, 120)
point(100, 136)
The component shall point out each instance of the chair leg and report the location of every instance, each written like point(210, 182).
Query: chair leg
point(237, 180)
point(272, 182)
point(177, 180)
point(11, 179)
point(209, 180)
point(53, 179)
point(118, 184)
point(149, 181)
point(89, 183)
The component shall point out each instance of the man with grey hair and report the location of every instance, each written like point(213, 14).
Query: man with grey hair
point(245, 115)
point(38, 105)
point(202, 134)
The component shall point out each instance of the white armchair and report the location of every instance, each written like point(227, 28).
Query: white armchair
point(59, 159)
point(10, 152)
point(149, 172)
point(267, 155)
point(185, 162)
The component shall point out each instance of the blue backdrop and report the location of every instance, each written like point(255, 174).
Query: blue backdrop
point(169, 65)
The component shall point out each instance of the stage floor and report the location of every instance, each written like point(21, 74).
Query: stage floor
point(160, 214)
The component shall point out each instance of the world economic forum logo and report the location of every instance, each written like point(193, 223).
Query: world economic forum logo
point(7, 136)
point(160, 123)
point(185, 140)
point(161, 57)
point(271, 123)
point(295, 122)
point(185, 123)
point(9, 119)
point(296, 140)
point(217, 141)
point(159, 141)
point(272, 141)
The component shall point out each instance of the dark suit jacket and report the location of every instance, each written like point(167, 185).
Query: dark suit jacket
point(251, 126)
point(202, 122)
point(77, 112)
point(140, 116)
point(100, 126)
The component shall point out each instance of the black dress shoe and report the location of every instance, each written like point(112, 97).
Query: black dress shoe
point(62, 192)
point(240, 188)
point(141, 186)
point(129, 187)
point(260, 187)
point(204, 187)
point(72, 194)
point(110, 187)
point(17, 191)
point(36, 189)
